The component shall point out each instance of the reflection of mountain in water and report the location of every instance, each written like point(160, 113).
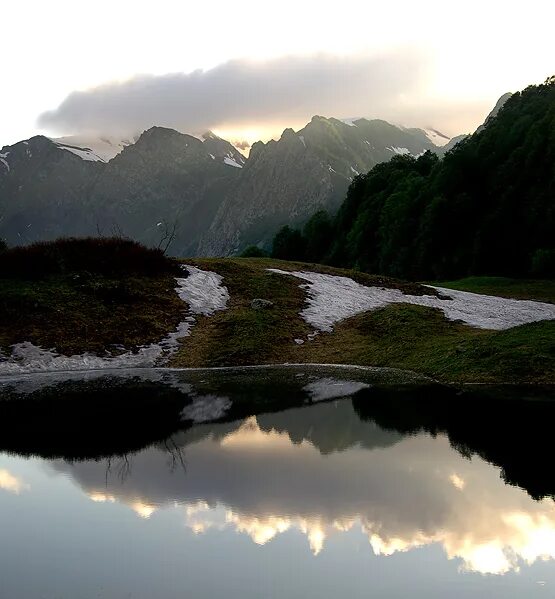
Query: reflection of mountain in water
point(329, 427)
point(403, 492)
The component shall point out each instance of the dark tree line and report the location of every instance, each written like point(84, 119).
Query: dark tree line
point(486, 208)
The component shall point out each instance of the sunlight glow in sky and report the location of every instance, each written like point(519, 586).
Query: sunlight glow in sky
point(471, 53)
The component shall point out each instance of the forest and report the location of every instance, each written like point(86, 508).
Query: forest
point(486, 208)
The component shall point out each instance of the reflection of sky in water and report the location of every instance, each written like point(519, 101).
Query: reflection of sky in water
point(312, 488)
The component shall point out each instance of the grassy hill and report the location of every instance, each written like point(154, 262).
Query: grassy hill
point(116, 305)
point(400, 336)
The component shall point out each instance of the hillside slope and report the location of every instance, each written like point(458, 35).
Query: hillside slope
point(237, 312)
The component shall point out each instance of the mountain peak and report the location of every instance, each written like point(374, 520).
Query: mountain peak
point(210, 135)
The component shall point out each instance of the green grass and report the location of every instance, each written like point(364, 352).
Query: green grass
point(400, 336)
point(514, 288)
point(423, 340)
point(89, 313)
point(94, 312)
point(87, 295)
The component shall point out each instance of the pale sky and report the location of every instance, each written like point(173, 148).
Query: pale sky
point(261, 66)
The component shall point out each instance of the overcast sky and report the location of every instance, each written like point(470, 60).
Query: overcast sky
point(248, 69)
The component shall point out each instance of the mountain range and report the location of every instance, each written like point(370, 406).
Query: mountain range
point(203, 193)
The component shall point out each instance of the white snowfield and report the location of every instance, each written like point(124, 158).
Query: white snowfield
point(230, 161)
point(201, 290)
point(83, 153)
point(333, 298)
point(96, 149)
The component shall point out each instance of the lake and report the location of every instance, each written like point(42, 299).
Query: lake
point(300, 482)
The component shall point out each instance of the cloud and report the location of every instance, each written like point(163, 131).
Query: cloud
point(242, 144)
point(242, 93)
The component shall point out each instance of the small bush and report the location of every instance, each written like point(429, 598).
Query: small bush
point(254, 251)
point(110, 257)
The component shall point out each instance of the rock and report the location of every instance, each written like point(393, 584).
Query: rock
point(261, 304)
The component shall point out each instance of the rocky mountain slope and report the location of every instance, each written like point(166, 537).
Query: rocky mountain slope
point(205, 191)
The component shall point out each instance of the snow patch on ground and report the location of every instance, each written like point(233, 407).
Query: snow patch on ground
point(206, 408)
point(301, 137)
point(354, 171)
point(329, 388)
point(201, 290)
point(334, 298)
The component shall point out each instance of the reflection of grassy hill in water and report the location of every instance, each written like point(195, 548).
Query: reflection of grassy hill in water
point(80, 420)
point(87, 420)
point(510, 427)
point(108, 415)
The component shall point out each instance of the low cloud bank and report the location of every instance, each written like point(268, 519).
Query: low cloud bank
point(243, 93)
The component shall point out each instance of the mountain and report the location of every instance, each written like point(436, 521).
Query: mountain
point(51, 188)
point(43, 189)
point(165, 179)
point(203, 192)
point(285, 181)
point(486, 208)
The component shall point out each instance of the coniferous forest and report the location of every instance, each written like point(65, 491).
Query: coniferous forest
point(486, 208)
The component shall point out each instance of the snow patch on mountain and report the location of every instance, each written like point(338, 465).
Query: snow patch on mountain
point(97, 149)
point(83, 153)
point(397, 150)
point(334, 298)
point(437, 137)
point(230, 161)
point(4, 161)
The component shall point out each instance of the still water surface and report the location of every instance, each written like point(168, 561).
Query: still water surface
point(369, 495)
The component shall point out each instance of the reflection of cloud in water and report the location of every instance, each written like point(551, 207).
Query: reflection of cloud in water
point(283, 472)
point(11, 483)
